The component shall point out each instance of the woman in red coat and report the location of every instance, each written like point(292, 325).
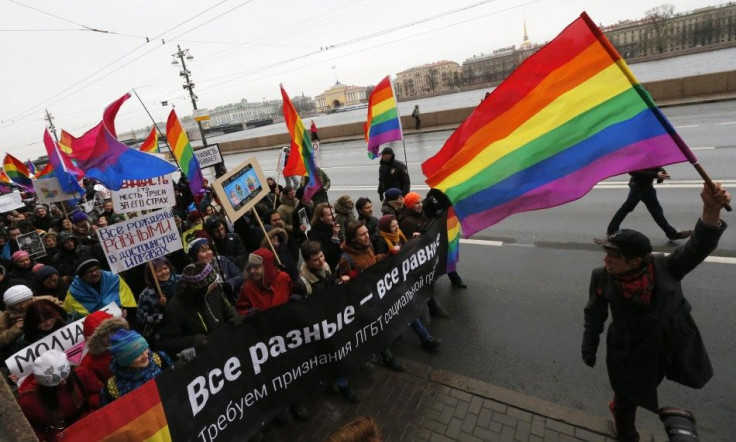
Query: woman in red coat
point(265, 285)
point(57, 395)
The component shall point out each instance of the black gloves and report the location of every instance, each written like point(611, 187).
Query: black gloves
point(589, 359)
point(589, 347)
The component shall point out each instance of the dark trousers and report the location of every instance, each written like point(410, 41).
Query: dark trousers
point(417, 123)
point(624, 417)
point(648, 196)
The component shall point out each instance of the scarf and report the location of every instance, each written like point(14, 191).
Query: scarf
point(637, 284)
point(393, 239)
point(85, 298)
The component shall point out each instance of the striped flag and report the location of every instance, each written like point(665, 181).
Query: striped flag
point(301, 158)
point(150, 145)
point(183, 152)
point(383, 124)
point(17, 171)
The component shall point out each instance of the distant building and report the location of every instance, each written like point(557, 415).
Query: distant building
point(712, 25)
point(495, 67)
point(439, 77)
point(340, 95)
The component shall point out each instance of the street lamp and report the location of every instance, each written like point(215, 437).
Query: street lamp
point(188, 84)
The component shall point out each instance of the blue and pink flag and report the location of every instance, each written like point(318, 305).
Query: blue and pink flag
point(62, 167)
point(383, 124)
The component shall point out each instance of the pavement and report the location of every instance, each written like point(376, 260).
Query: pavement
point(425, 404)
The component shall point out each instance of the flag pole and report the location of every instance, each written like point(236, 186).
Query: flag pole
point(166, 142)
point(265, 234)
point(401, 127)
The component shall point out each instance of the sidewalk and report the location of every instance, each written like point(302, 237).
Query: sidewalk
point(425, 404)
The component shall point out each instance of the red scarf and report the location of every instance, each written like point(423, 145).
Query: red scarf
point(638, 284)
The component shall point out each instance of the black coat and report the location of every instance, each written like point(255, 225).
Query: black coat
point(322, 233)
point(644, 344)
point(393, 174)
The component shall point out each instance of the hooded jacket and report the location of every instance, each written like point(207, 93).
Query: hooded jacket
point(286, 209)
point(98, 357)
point(231, 246)
point(393, 173)
point(273, 289)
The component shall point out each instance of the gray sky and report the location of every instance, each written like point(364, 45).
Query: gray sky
point(242, 49)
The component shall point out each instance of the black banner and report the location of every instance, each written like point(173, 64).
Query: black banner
point(246, 374)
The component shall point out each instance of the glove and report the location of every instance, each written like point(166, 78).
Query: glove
point(589, 359)
point(188, 354)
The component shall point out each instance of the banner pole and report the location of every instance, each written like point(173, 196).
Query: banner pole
point(155, 280)
point(401, 127)
point(166, 142)
point(265, 234)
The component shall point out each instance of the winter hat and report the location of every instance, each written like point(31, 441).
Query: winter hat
point(263, 257)
point(392, 194)
point(411, 199)
point(78, 217)
point(194, 215)
point(51, 368)
point(299, 193)
point(44, 271)
point(344, 200)
point(384, 224)
point(629, 242)
point(64, 236)
point(86, 265)
point(38, 267)
point(92, 321)
point(126, 346)
point(387, 150)
point(17, 294)
point(195, 245)
point(197, 276)
point(20, 254)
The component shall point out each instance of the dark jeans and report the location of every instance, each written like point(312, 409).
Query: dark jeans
point(648, 196)
point(624, 419)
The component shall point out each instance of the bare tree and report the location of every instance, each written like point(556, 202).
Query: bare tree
point(658, 17)
point(431, 78)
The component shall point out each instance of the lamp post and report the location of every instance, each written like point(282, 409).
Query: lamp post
point(182, 54)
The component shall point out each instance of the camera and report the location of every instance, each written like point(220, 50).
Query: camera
point(679, 424)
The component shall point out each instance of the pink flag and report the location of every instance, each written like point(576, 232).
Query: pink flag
point(108, 117)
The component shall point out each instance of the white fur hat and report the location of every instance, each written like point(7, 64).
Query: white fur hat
point(16, 295)
point(51, 368)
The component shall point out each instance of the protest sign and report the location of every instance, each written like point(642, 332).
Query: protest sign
point(69, 339)
point(88, 206)
point(209, 156)
point(139, 240)
point(246, 374)
point(150, 194)
point(11, 201)
point(31, 243)
point(48, 190)
point(240, 189)
point(304, 219)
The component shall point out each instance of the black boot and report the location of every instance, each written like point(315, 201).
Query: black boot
point(436, 310)
point(390, 361)
point(456, 280)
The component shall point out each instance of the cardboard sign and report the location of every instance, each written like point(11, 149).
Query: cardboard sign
point(11, 201)
point(209, 156)
point(240, 189)
point(150, 194)
point(133, 242)
point(48, 190)
point(69, 339)
point(31, 243)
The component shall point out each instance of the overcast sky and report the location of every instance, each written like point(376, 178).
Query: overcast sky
point(242, 49)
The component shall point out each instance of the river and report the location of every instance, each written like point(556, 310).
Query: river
point(676, 67)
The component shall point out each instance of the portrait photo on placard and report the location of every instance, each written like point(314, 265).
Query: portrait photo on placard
point(240, 189)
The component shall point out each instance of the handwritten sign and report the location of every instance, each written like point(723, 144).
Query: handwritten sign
point(150, 194)
point(48, 190)
point(133, 242)
point(10, 202)
point(209, 156)
point(69, 339)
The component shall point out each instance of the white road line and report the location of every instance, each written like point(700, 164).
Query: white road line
point(688, 125)
point(727, 122)
point(703, 148)
point(483, 242)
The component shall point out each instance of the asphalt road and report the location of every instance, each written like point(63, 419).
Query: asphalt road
point(519, 325)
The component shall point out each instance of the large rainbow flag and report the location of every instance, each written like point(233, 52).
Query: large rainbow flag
point(383, 124)
point(301, 156)
point(183, 152)
point(136, 416)
point(568, 117)
point(453, 240)
point(17, 171)
point(150, 144)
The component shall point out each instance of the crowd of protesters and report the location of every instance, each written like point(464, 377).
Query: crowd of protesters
point(228, 271)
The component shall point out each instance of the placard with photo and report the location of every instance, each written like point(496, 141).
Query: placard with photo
point(240, 189)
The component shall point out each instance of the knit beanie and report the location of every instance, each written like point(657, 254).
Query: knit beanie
point(253, 261)
point(17, 294)
point(126, 346)
point(86, 265)
point(78, 217)
point(392, 194)
point(197, 277)
point(194, 216)
point(92, 321)
point(411, 199)
point(38, 267)
point(20, 254)
point(44, 272)
point(51, 367)
point(384, 224)
point(195, 245)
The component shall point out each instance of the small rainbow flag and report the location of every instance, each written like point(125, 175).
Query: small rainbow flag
point(150, 145)
point(383, 124)
point(453, 240)
point(568, 117)
point(183, 152)
point(6, 184)
point(303, 163)
point(138, 415)
point(17, 171)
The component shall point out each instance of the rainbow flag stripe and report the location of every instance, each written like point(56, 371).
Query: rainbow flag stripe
point(453, 240)
point(383, 124)
point(150, 145)
point(568, 117)
point(302, 164)
point(17, 171)
point(139, 416)
point(183, 152)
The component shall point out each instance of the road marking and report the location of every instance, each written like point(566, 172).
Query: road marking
point(703, 148)
point(483, 242)
point(688, 125)
point(727, 122)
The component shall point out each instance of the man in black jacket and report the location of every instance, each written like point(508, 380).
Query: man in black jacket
point(227, 244)
point(642, 189)
point(392, 173)
point(652, 334)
